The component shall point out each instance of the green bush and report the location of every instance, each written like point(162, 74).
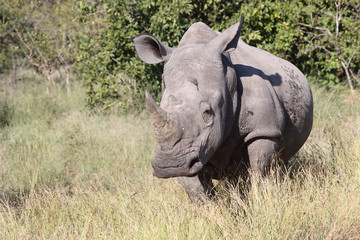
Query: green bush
point(116, 78)
point(331, 40)
point(114, 75)
point(320, 37)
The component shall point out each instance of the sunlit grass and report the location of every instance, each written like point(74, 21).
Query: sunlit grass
point(66, 174)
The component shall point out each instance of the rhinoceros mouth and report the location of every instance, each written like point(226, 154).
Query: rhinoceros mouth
point(189, 167)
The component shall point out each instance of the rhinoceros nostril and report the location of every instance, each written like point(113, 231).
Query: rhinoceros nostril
point(195, 166)
point(193, 162)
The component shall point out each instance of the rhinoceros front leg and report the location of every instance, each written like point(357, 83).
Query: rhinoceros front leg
point(262, 153)
point(197, 187)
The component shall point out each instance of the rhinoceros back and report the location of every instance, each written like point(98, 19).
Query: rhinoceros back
point(258, 70)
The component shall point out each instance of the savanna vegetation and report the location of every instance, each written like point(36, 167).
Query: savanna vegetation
point(92, 38)
point(66, 174)
point(75, 143)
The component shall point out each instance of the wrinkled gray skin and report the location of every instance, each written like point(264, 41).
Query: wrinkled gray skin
point(226, 107)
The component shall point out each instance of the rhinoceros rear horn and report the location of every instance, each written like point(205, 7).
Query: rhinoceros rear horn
point(166, 129)
point(228, 40)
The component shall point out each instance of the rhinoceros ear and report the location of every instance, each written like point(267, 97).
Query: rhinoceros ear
point(151, 50)
point(228, 40)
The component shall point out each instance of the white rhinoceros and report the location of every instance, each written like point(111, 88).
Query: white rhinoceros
point(227, 107)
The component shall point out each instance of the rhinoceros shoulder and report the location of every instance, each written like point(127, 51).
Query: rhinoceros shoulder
point(261, 114)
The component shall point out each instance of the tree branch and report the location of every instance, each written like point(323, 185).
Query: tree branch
point(337, 17)
point(38, 50)
point(317, 28)
point(353, 75)
point(323, 48)
point(29, 55)
point(352, 55)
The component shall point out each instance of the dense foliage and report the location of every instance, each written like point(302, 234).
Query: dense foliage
point(320, 37)
point(317, 36)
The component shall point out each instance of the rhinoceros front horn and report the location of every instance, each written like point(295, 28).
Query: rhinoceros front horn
point(167, 130)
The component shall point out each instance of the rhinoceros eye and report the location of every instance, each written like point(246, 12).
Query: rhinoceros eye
point(207, 112)
point(207, 115)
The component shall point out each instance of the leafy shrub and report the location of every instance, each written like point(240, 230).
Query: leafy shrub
point(116, 78)
point(331, 40)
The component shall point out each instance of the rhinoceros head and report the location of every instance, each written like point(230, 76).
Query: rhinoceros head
point(197, 104)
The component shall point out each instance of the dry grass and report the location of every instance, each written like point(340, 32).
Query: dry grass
point(68, 175)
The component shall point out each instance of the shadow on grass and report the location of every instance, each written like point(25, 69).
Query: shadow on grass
point(14, 200)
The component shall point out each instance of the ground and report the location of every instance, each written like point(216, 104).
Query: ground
point(68, 174)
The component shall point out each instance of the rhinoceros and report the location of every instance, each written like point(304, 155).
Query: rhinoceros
point(228, 108)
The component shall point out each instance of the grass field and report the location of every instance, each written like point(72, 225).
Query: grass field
point(66, 174)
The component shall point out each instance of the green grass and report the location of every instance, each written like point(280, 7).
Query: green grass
point(66, 174)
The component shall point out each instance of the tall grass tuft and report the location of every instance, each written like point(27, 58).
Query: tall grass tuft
point(69, 174)
point(6, 113)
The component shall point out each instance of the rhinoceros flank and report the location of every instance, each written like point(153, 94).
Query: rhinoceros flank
point(227, 107)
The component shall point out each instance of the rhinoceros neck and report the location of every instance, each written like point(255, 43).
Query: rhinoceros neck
point(228, 153)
